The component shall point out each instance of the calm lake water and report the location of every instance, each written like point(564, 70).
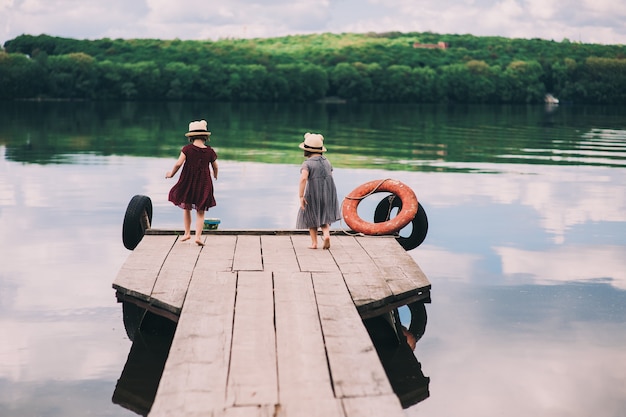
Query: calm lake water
point(526, 247)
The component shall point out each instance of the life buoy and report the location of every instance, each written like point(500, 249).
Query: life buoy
point(419, 224)
point(391, 226)
point(136, 220)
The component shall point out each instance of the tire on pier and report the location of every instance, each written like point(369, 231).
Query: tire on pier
point(387, 226)
point(419, 223)
point(137, 219)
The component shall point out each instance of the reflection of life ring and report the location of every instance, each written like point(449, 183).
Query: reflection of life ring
point(419, 223)
point(418, 319)
point(391, 226)
point(136, 220)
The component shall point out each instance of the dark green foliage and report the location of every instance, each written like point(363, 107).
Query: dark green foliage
point(20, 76)
point(383, 67)
point(604, 80)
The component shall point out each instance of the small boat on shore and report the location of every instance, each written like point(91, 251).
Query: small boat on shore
point(550, 99)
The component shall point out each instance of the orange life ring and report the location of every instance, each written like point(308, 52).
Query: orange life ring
point(391, 226)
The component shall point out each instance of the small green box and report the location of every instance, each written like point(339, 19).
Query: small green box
point(211, 224)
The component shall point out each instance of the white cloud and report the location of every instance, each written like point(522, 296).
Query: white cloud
point(561, 197)
point(543, 9)
point(567, 264)
point(443, 264)
point(520, 374)
point(27, 355)
point(591, 21)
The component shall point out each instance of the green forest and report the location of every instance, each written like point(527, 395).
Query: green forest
point(374, 67)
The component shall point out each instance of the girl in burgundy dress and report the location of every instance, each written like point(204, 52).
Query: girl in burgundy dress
point(194, 189)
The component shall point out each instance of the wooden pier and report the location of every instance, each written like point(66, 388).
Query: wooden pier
point(268, 327)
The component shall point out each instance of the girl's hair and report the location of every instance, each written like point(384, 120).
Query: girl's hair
point(203, 137)
point(307, 153)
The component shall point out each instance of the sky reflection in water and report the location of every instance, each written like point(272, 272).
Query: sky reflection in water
point(527, 263)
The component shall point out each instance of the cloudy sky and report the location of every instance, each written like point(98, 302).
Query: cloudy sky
point(588, 21)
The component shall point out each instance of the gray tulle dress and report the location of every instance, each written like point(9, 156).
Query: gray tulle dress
point(320, 193)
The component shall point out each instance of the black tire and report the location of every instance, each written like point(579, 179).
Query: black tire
point(137, 219)
point(419, 223)
point(419, 317)
point(132, 316)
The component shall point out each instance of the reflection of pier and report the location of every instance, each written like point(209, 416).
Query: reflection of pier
point(269, 327)
point(402, 367)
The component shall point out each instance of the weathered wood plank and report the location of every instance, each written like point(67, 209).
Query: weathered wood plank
point(354, 364)
point(248, 411)
point(139, 273)
point(350, 255)
point(304, 382)
point(248, 254)
point(364, 280)
point(218, 253)
point(311, 260)
point(252, 379)
point(278, 253)
point(380, 405)
point(171, 285)
point(402, 273)
point(195, 375)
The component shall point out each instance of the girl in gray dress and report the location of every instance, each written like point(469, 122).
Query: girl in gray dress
point(319, 206)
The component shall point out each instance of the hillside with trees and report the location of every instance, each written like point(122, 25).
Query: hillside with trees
point(374, 67)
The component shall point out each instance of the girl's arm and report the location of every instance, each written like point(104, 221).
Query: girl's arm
point(177, 165)
point(304, 176)
point(214, 166)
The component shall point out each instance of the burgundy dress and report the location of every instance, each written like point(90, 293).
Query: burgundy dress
point(194, 189)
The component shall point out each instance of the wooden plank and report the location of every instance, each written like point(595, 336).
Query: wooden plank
point(218, 253)
point(271, 340)
point(380, 405)
point(252, 378)
point(278, 253)
point(171, 285)
point(195, 375)
point(249, 411)
point(237, 232)
point(354, 364)
point(303, 377)
point(137, 276)
point(312, 260)
point(402, 273)
point(364, 280)
point(350, 255)
point(248, 254)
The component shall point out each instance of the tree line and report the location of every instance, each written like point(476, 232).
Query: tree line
point(387, 67)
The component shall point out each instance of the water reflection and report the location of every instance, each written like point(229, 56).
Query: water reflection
point(566, 264)
point(395, 343)
point(525, 252)
point(152, 338)
point(396, 137)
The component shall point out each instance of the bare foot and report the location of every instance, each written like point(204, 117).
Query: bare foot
point(199, 243)
point(186, 237)
point(313, 247)
point(326, 243)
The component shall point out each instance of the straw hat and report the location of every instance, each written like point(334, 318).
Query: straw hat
point(198, 128)
point(313, 142)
